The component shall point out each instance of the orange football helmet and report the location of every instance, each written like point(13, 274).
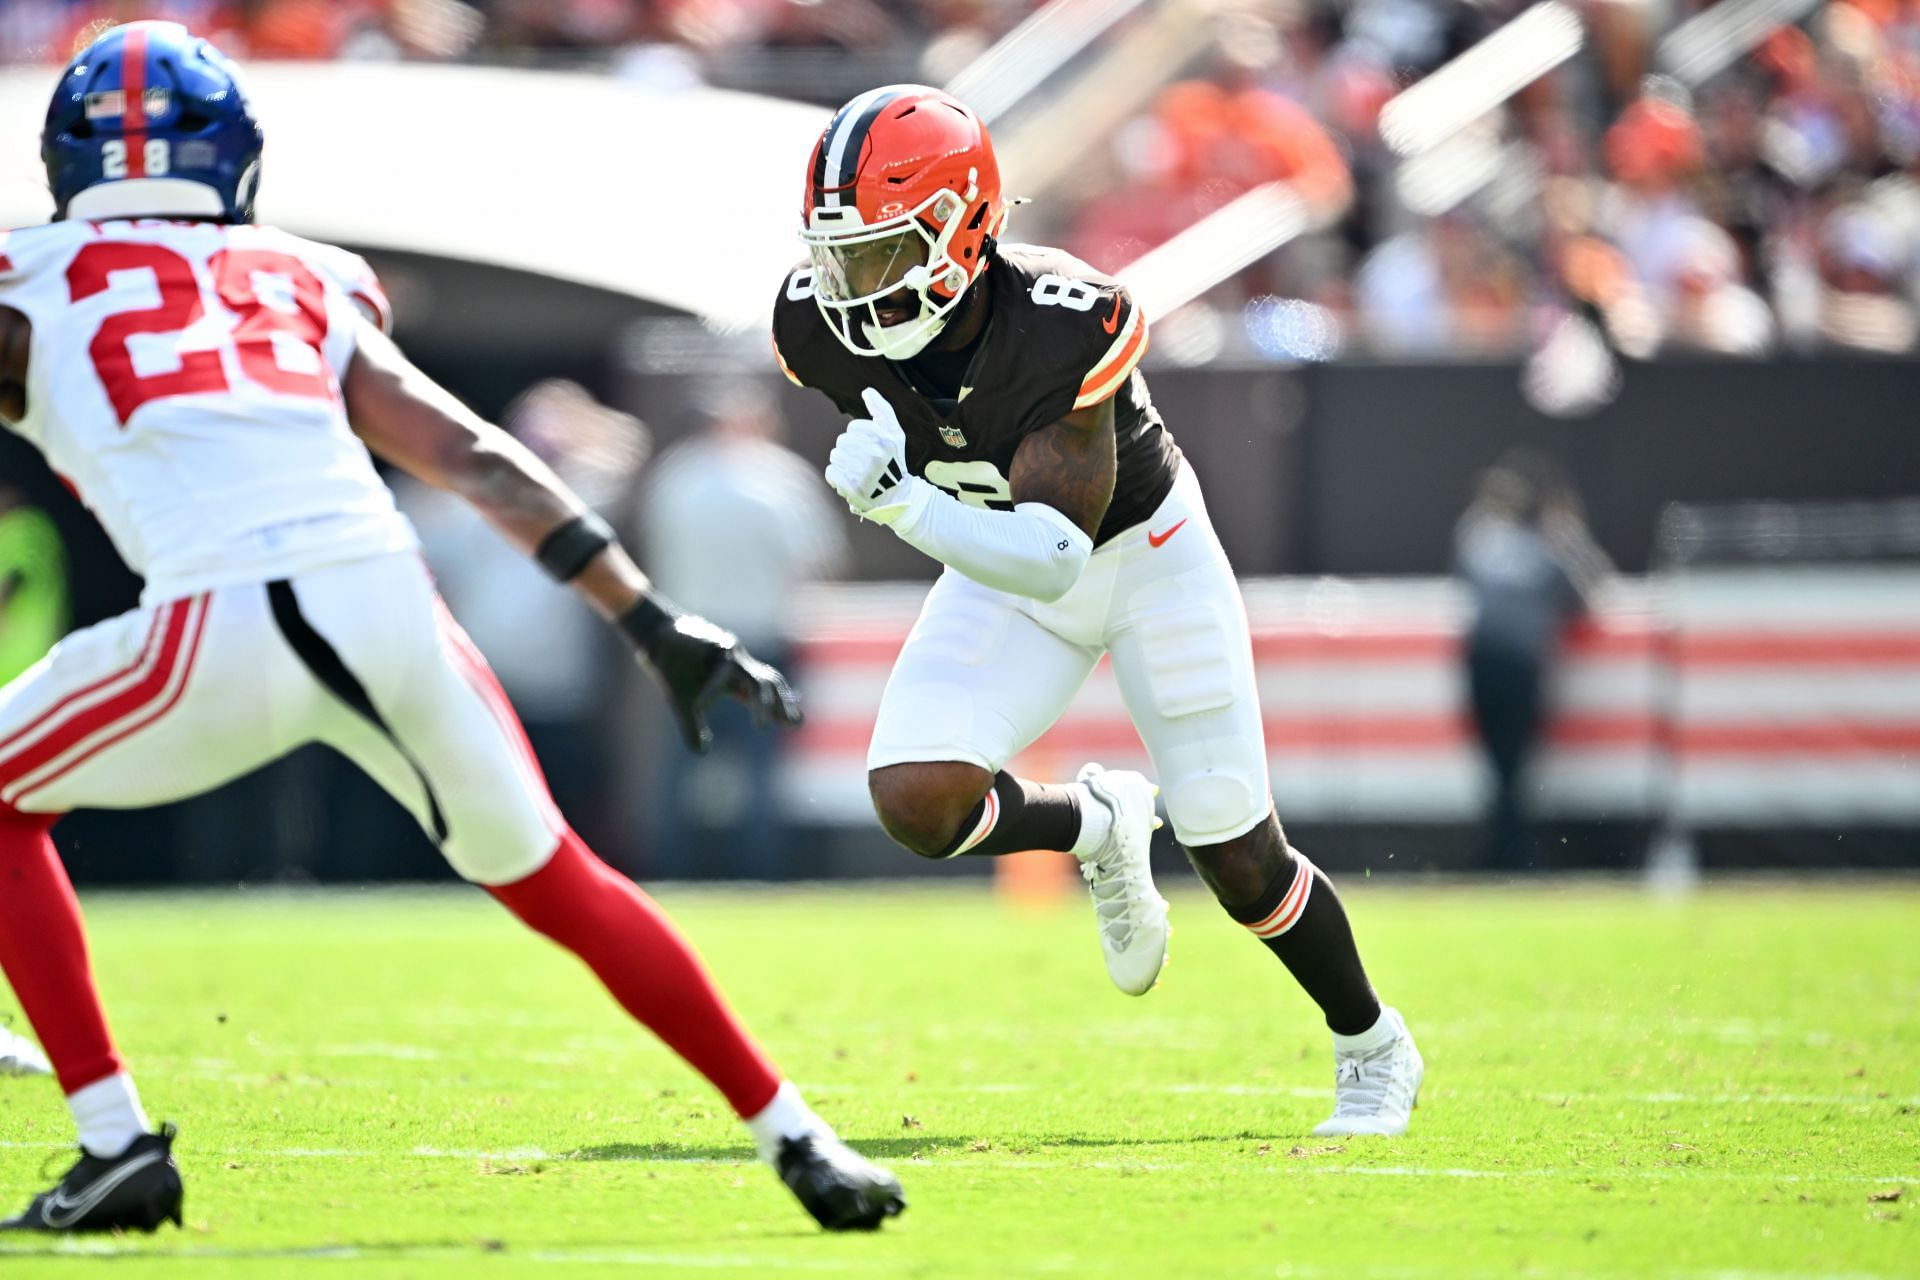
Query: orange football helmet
point(903, 194)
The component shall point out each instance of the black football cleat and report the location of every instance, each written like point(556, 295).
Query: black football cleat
point(137, 1190)
point(836, 1185)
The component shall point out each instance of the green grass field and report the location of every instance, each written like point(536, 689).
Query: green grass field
point(405, 1084)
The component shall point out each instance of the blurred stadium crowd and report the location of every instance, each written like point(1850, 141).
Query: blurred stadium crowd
point(1773, 206)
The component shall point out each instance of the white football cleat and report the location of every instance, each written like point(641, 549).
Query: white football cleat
point(1131, 912)
point(20, 1056)
point(1376, 1089)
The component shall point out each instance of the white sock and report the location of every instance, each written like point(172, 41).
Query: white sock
point(787, 1116)
point(1384, 1031)
point(109, 1115)
point(1096, 821)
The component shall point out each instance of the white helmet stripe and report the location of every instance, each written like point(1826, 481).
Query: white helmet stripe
point(847, 133)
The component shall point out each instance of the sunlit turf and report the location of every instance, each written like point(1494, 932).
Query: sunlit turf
point(405, 1083)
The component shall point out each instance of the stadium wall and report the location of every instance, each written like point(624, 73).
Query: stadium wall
point(1360, 468)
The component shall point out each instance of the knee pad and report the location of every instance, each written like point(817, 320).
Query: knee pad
point(1209, 808)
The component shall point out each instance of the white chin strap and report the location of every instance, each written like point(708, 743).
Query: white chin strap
point(905, 340)
point(909, 338)
point(146, 198)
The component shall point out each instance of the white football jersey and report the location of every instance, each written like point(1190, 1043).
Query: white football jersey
point(185, 379)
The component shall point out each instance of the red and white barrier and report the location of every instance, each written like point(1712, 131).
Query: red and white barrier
point(1751, 697)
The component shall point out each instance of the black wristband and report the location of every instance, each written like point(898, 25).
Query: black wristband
point(568, 550)
point(646, 620)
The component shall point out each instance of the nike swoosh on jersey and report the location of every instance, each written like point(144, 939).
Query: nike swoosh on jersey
point(1158, 539)
point(93, 1195)
point(1112, 321)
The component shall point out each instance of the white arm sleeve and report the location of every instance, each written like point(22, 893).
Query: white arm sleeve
point(1032, 550)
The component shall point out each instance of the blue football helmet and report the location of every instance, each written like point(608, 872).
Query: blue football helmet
point(150, 121)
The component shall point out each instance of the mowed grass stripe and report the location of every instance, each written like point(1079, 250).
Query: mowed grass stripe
point(1724, 1086)
point(1025, 1161)
point(682, 1261)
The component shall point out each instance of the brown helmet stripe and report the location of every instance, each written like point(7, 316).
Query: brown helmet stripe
point(838, 163)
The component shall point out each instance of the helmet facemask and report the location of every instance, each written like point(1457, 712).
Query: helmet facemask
point(864, 271)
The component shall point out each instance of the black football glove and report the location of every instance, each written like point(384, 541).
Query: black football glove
point(696, 661)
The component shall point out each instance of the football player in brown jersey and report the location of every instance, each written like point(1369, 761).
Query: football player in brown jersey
point(999, 423)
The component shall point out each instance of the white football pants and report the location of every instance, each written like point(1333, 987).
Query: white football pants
point(174, 700)
point(984, 673)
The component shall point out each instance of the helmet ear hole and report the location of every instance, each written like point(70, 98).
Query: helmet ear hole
point(244, 190)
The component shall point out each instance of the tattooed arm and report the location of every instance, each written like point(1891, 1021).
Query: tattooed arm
point(1070, 466)
point(417, 425)
point(409, 420)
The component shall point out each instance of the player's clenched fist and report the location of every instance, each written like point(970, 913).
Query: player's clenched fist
point(868, 466)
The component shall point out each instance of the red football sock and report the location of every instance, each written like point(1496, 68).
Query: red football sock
point(603, 917)
point(43, 949)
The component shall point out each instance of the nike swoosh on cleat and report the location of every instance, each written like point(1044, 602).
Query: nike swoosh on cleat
point(1159, 539)
point(90, 1199)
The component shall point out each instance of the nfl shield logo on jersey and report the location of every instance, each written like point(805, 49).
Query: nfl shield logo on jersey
point(953, 436)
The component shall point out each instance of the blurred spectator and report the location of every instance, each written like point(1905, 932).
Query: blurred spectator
point(1201, 145)
point(548, 651)
point(1707, 309)
point(1864, 263)
point(1742, 193)
point(570, 24)
point(1777, 151)
point(1445, 288)
point(733, 523)
point(33, 585)
point(49, 30)
point(1524, 553)
point(1652, 150)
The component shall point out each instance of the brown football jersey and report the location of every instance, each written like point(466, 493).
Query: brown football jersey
point(1059, 336)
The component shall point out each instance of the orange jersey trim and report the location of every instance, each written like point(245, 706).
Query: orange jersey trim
point(1117, 364)
point(782, 362)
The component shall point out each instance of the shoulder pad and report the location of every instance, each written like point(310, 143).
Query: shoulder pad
point(794, 316)
point(1092, 321)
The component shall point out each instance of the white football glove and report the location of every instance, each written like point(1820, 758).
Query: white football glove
point(868, 466)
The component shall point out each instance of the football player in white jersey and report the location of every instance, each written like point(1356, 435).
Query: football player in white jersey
point(211, 389)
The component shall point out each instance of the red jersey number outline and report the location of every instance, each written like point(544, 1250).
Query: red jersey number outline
point(200, 372)
point(233, 278)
